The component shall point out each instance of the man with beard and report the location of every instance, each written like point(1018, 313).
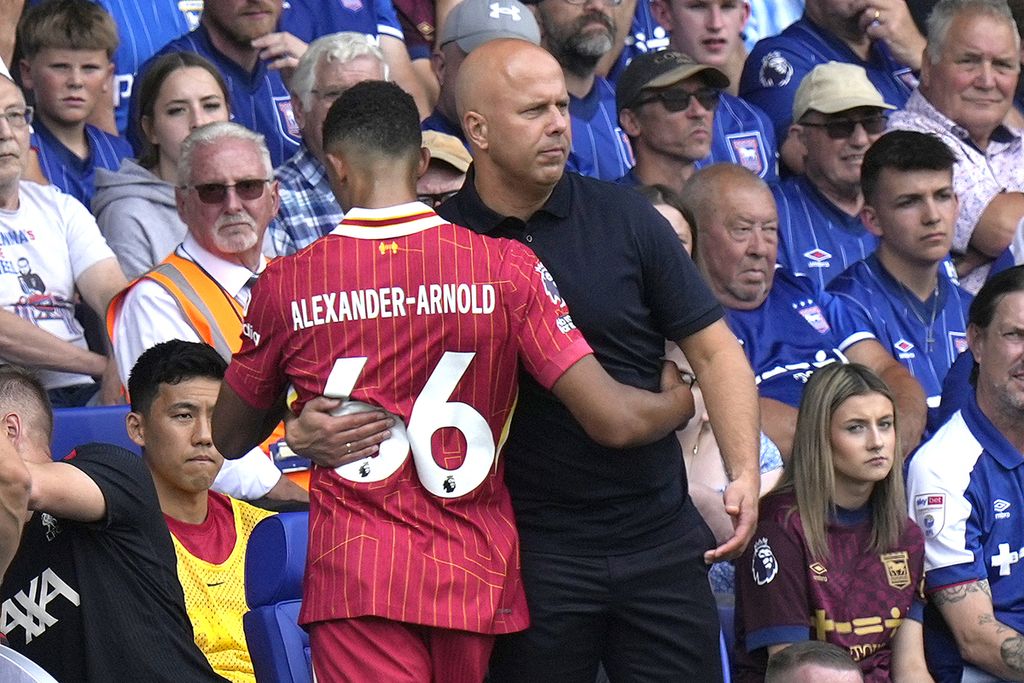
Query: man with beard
point(259, 98)
point(578, 33)
point(878, 35)
point(965, 489)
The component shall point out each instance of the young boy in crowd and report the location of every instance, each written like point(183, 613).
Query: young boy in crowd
point(66, 47)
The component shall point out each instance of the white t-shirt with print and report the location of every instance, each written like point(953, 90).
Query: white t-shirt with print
point(45, 246)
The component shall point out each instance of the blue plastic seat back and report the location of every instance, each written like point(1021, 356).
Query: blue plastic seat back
point(275, 562)
point(78, 426)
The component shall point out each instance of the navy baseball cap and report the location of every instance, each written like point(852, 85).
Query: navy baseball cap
point(659, 70)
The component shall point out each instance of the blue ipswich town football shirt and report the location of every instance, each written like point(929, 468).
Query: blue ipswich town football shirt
point(776, 66)
point(599, 147)
point(310, 19)
point(743, 135)
point(797, 329)
point(904, 324)
point(816, 237)
point(259, 100)
point(67, 171)
point(965, 489)
point(645, 35)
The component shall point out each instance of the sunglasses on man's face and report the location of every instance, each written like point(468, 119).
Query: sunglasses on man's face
point(215, 193)
point(840, 129)
point(677, 99)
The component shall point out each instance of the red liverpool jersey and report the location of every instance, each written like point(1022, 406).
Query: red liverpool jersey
point(399, 309)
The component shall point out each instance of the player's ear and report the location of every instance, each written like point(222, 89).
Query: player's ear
point(424, 162)
point(337, 169)
point(133, 423)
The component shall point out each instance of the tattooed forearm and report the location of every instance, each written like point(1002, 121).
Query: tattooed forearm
point(990, 619)
point(1012, 653)
point(954, 594)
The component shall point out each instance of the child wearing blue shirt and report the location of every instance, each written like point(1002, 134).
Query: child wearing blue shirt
point(66, 66)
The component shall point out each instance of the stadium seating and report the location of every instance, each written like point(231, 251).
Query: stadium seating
point(274, 564)
point(76, 426)
point(17, 668)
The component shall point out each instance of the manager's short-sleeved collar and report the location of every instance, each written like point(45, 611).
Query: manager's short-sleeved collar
point(474, 214)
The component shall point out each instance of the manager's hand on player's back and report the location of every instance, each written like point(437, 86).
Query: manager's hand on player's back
point(332, 440)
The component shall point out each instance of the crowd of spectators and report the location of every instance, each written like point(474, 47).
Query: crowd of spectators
point(813, 209)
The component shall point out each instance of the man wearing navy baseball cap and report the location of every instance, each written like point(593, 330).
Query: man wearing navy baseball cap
point(666, 103)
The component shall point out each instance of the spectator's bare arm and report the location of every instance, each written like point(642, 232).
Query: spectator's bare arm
point(99, 283)
point(908, 662)
point(23, 343)
point(998, 223)
point(402, 73)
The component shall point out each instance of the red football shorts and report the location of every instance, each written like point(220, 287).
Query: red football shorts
point(376, 649)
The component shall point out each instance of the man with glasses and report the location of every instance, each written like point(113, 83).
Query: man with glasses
point(199, 293)
point(710, 32)
point(968, 79)
point(878, 35)
point(52, 237)
point(666, 106)
point(838, 114)
point(330, 66)
point(578, 33)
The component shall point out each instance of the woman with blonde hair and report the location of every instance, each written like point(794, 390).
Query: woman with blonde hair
point(835, 557)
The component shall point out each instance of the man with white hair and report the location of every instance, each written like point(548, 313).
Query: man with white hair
point(968, 79)
point(330, 66)
point(226, 197)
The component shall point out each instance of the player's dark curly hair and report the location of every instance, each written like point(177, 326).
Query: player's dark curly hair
point(375, 116)
point(171, 362)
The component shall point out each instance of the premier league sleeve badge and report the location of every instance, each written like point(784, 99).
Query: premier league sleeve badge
point(776, 71)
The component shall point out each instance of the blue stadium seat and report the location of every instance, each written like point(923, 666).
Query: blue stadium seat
point(275, 561)
point(17, 668)
point(77, 426)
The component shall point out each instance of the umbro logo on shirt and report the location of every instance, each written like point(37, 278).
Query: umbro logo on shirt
point(818, 258)
point(904, 349)
point(1001, 508)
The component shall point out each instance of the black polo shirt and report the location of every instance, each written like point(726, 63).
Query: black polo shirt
point(629, 285)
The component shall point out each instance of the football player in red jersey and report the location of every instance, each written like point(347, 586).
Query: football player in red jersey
point(413, 562)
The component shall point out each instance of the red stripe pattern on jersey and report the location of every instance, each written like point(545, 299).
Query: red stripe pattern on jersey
point(430, 321)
